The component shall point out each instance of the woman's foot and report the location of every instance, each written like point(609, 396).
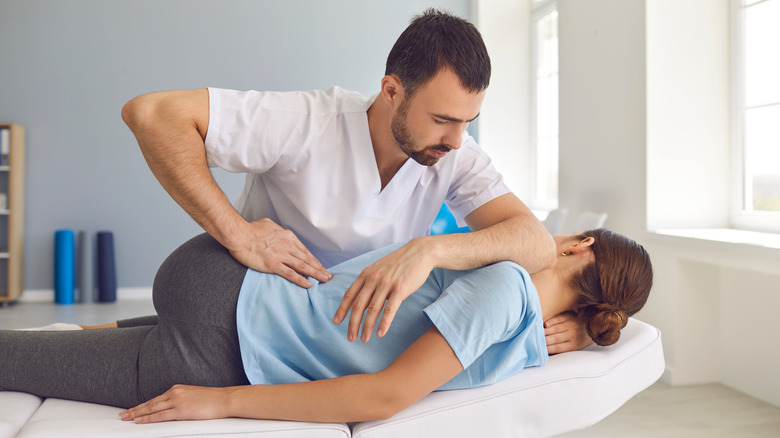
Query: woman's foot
point(96, 327)
point(57, 326)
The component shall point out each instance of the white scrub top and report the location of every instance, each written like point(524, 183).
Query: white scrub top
point(311, 168)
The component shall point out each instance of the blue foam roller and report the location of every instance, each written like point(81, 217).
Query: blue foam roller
point(106, 267)
point(64, 266)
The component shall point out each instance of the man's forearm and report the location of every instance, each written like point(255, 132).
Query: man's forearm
point(170, 129)
point(520, 239)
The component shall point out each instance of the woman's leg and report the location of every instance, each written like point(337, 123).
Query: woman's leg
point(195, 341)
point(97, 366)
point(137, 322)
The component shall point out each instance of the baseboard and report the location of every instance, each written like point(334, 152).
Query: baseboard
point(122, 294)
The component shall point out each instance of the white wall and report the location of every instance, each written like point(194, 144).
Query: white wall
point(602, 110)
point(688, 110)
point(644, 91)
point(504, 128)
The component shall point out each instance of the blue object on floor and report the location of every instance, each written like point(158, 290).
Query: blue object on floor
point(64, 266)
point(445, 223)
point(86, 269)
point(106, 267)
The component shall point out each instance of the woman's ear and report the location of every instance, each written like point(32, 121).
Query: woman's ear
point(580, 246)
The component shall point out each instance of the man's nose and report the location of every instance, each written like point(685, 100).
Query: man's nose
point(454, 136)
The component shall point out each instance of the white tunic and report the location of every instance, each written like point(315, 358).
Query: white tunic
point(311, 169)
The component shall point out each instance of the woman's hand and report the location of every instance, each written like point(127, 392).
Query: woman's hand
point(181, 403)
point(564, 332)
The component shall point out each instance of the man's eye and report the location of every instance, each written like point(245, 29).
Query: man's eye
point(440, 122)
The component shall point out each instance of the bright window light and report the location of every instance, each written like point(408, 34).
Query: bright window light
point(757, 98)
point(545, 111)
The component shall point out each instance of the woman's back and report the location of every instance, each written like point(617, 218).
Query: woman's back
point(287, 335)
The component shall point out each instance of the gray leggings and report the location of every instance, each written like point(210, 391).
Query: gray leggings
point(192, 340)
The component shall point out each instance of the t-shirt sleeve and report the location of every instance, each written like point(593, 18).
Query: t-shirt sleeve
point(480, 308)
point(253, 131)
point(475, 182)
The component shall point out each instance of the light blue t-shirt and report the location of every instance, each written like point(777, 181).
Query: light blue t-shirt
point(490, 316)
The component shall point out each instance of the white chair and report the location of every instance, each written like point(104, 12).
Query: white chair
point(589, 221)
point(554, 220)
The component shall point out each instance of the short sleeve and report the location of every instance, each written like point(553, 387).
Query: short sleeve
point(475, 181)
point(253, 131)
point(481, 308)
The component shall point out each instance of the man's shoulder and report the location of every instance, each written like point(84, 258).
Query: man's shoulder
point(332, 100)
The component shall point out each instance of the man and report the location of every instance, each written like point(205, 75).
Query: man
point(330, 175)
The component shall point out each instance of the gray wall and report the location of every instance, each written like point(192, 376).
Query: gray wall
point(68, 67)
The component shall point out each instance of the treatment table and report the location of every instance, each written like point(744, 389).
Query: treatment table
point(572, 391)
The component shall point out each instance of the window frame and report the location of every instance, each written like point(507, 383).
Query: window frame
point(741, 217)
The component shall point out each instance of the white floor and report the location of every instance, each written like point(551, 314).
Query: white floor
point(712, 411)
point(660, 411)
point(25, 315)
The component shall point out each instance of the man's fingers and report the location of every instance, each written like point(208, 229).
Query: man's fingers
point(290, 274)
point(372, 313)
point(311, 266)
point(346, 301)
point(304, 268)
point(363, 297)
point(391, 307)
point(356, 315)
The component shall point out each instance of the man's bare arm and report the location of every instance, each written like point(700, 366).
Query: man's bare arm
point(504, 229)
point(171, 127)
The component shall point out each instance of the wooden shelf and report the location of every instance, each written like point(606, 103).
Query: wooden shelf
point(12, 228)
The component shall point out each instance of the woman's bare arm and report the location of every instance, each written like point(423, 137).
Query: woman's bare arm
point(426, 365)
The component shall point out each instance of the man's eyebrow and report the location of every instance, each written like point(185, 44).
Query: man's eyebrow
point(453, 119)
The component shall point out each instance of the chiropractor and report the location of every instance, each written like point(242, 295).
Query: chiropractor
point(329, 175)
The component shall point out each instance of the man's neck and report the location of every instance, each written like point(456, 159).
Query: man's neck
point(389, 157)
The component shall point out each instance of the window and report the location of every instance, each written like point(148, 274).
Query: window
point(544, 94)
point(756, 114)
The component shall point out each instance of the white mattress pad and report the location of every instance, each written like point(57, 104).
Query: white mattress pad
point(574, 390)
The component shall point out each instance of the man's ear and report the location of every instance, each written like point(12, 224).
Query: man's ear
point(392, 90)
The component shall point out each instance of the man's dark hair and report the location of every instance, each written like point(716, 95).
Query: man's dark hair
point(433, 41)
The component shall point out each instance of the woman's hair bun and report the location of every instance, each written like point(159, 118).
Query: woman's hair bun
point(612, 288)
point(603, 323)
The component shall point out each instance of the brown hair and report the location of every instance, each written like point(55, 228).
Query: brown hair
point(613, 287)
point(433, 41)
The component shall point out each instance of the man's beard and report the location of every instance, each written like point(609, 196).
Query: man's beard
point(404, 139)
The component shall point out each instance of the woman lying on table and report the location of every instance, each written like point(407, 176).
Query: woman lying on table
point(257, 346)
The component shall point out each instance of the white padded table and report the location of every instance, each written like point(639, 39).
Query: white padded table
point(15, 409)
point(573, 391)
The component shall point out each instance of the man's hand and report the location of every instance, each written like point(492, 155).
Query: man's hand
point(273, 249)
point(564, 332)
point(391, 279)
point(181, 403)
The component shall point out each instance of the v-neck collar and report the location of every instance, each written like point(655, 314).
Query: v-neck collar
point(404, 179)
